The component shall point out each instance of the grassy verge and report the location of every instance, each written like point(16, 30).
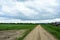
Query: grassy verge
point(54, 30)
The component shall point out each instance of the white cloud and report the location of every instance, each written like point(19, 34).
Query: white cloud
point(17, 6)
point(42, 4)
point(1, 13)
point(26, 11)
point(33, 9)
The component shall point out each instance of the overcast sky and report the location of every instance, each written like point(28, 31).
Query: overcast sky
point(29, 9)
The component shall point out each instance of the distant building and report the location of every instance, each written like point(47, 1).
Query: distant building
point(57, 23)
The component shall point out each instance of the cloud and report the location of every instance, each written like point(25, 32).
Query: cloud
point(30, 9)
point(7, 20)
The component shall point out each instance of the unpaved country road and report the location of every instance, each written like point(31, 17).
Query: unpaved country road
point(39, 34)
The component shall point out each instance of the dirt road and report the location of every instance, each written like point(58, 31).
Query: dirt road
point(39, 34)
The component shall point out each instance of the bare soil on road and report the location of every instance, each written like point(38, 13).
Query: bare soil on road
point(11, 34)
point(39, 33)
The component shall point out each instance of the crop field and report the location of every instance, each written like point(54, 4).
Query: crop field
point(27, 27)
point(16, 26)
point(8, 31)
point(54, 30)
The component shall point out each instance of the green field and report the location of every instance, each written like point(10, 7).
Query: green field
point(14, 26)
point(54, 30)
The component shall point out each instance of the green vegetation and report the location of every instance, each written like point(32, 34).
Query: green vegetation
point(16, 26)
point(12, 26)
point(54, 30)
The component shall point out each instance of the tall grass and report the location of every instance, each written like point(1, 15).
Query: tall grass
point(54, 30)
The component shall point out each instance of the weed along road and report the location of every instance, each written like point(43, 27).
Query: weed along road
point(39, 33)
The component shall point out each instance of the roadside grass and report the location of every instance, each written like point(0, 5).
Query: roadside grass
point(29, 27)
point(54, 30)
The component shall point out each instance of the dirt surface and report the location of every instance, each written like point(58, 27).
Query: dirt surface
point(39, 34)
point(11, 34)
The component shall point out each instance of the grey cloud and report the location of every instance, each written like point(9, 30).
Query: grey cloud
point(42, 13)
